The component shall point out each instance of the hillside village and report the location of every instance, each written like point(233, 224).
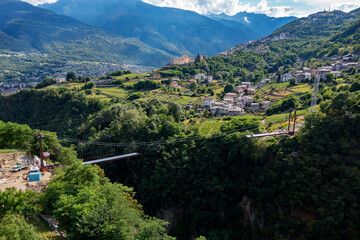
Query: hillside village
point(238, 102)
point(242, 99)
point(336, 69)
point(14, 81)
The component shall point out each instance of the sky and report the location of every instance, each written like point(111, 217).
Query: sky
point(275, 8)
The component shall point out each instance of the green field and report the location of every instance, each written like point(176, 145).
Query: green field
point(115, 92)
point(204, 127)
point(8, 151)
point(283, 118)
point(303, 88)
point(132, 76)
point(276, 86)
point(210, 127)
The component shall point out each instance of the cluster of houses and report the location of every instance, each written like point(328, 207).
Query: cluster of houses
point(10, 88)
point(198, 78)
point(306, 73)
point(203, 78)
point(236, 104)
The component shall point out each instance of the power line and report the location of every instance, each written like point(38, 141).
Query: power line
point(159, 142)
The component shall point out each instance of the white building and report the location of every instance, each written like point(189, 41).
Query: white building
point(251, 91)
point(262, 83)
point(230, 97)
point(200, 76)
point(208, 102)
point(286, 77)
point(266, 105)
point(60, 79)
point(337, 74)
point(255, 107)
point(238, 89)
point(247, 100)
point(247, 84)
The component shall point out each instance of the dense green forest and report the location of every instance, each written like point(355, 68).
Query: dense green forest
point(81, 198)
point(52, 109)
point(223, 187)
point(301, 188)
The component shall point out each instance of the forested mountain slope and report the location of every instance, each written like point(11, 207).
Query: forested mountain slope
point(346, 42)
point(304, 36)
point(29, 29)
point(48, 109)
point(302, 42)
point(173, 30)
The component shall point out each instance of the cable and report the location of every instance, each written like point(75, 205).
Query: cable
point(160, 142)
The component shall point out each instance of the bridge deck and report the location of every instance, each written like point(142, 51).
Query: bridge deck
point(268, 134)
point(111, 158)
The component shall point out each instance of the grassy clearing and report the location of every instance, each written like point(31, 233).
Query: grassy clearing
point(8, 151)
point(168, 97)
point(276, 86)
point(100, 97)
point(133, 76)
point(279, 94)
point(303, 88)
point(206, 127)
point(116, 92)
point(209, 127)
point(282, 118)
point(183, 100)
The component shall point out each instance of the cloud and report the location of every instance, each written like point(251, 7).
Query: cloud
point(37, 2)
point(229, 7)
point(345, 6)
point(275, 8)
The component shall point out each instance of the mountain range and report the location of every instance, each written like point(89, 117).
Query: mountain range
point(261, 24)
point(121, 31)
point(172, 30)
point(26, 28)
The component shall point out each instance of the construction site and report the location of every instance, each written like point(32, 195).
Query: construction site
point(14, 172)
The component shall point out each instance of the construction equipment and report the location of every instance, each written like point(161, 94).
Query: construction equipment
point(51, 168)
point(43, 155)
point(18, 168)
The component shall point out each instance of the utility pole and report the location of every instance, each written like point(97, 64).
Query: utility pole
point(294, 122)
point(41, 152)
point(289, 120)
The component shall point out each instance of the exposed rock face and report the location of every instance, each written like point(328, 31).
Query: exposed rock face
point(170, 215)
point(249, 213)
